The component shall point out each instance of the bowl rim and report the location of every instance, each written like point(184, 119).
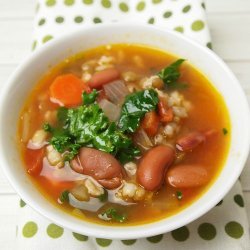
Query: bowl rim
point(125, 232)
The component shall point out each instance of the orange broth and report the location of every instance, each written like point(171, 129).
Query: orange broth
point(208, 112)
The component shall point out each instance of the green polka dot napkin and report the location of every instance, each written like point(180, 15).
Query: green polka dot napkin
point(225, 226)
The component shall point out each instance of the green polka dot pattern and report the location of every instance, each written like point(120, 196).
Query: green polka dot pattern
point(239, 200)
point(47, 38)
point(41, 21)
point(106, 3)
point(180, 234)
point(69, 2)
point(97, 20)
point(234, 229)
point(50, 2)
point(151, 20)
point(34, 44)
point(207, 231)
point(186, 9)
point(123, 7)
point(21, 202)
point(54, 231)
point(210, 46)
point(167, 14)
point(155, 239)
point(103, 242)
point(197, 25)
point(128, 242)
point(59, 19)
point(80, 237)
point(30, 229)
point(141, 6)
point(179, 29)
point(87, 1)
point(156, 1)
point(219, 203)
point(78, 19)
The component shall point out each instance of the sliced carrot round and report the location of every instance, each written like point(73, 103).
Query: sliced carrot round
point(67, 90)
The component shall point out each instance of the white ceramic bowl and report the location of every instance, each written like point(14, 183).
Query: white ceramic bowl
point(24, 78)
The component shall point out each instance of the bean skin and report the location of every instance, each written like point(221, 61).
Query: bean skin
point(153, 166)
point(103, 77)
point(187, 176)
point(110, 183)
point(190, 141)
point(102, 166)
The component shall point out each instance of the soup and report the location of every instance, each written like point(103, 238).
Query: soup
point(123, 135)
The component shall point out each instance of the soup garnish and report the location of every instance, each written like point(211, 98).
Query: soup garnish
point(123, 134)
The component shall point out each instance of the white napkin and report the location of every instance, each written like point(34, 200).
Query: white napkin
point(226, 225)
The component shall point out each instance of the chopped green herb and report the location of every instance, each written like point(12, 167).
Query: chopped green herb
point(136, 105)
point(89, 98)
point(225, 131)
point(72, 151)
point(47, 127)
point(171, 74)
point(62, 114)
point(61, 141)
point(64, 197)
point(103, 197)
point(179, 195)
point(113, 214)
point(88, 126)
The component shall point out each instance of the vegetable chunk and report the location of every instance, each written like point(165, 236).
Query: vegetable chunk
point(66, 90)
point(135, 107)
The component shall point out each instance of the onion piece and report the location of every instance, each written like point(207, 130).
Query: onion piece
point(34, 146)
point(92, 205)
point(111, 110)
point(116, 91)
point(142, 140)
point(25, 127)
point(104, 217)
point(60, 175)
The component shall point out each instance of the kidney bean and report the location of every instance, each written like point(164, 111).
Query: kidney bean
point(153, 166)
point(102, 166)
point(187, 176)
point(103, 77)
point(165, 112)
point(111, 183)
point(76, 165)
point(190, 141)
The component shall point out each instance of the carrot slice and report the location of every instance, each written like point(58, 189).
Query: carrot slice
point(35, 164)
point(150, 123)
point(67, 90)
point(166, 113)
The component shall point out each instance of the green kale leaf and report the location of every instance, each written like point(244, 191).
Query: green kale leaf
point(62, 114)
point(88, 126)
point(171, 74)
point(89, 98)
point(135, 107)
point(64, 196)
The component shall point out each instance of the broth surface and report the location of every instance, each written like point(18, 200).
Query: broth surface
point(208, 111)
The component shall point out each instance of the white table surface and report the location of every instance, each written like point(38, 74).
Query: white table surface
point(229, 22)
